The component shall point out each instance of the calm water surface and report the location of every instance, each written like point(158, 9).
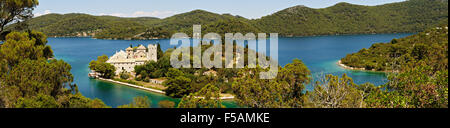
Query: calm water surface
point(319, 53)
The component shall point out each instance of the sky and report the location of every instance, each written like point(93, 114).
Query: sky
point(251, 9)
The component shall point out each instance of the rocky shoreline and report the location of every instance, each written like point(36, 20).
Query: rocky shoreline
point(358, 69)
point(348, 67)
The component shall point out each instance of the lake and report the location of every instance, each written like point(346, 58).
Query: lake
point(319, 53)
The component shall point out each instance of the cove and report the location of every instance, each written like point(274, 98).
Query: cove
point(319, 53)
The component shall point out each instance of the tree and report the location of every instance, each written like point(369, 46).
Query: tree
point(208, 97)
point(160, 53)
point(79, 101)
point(29, 80)
point(138, 102)
point(335, 92)
point(178, 87)
point(296, 75)
point(153, 69)
point(166, 104)
point(421, 87)
point(106, 70)
point(286, 91)
point(419, 65)
point(15, 10)
point(124, 75)
point(40, 101)
point(29, 45)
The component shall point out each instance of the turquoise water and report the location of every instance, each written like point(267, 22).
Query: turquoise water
point(319, 53)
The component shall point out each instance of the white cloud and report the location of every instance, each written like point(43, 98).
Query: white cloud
point(44, 13)
point(159, 14)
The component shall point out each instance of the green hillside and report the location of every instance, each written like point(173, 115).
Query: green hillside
point(429, 47)
point(345, 18)
point(342, 18)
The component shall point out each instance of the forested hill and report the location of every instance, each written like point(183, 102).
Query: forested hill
point(345, 18)
point(87, 25)
point(342, 18)
point(429, 48)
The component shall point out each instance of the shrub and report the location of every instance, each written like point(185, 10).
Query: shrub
point(124, 75)
point(166, 104)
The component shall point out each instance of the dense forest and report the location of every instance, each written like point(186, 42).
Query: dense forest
point(345, 18)
point(430, 47)
point(418, 66)
point(342, 18)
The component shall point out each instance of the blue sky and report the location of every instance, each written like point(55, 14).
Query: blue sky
point(164, 8)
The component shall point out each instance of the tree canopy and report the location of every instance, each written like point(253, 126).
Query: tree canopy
point(138, 102)
point(106, 70)
point(29, 80)
point(286, 91)
point(15, 11)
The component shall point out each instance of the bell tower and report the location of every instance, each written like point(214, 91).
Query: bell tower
point(130, 53)
point(152, 52)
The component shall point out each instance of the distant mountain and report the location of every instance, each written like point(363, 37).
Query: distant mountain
point(83, 25)
point(345, 18)
point(186, 20)
point(342, 18)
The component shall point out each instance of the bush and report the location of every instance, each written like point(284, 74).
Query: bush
point(147, 79)
point(124, 75)
point(166, 104)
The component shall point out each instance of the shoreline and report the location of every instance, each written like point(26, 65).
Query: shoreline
point(134, 86)
point(340, 64)
point(350, 68)
point(318, 35)
point(150, 89)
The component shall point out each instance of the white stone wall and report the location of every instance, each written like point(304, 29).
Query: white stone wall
point(124, 66)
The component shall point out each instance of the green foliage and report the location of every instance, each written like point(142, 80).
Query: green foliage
point(124, 75)
point(178, 85)
point(284, 92)
point(79, 101)
point(420, 70)
point(153, 69)
point(15, 10)
point(155, 32)
point(343, 18)
point(231, 25)
point(138, 102)
point(166, 104)
point(296, 74)
point(418, 87)
point(430, 46)
point(121, 30)
point(159, 51)
point(106, 70)
point(40, 101)
point(21, 46)
point(74, 24)
point(29, 80)
point(207, 97)
point(335, 92)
